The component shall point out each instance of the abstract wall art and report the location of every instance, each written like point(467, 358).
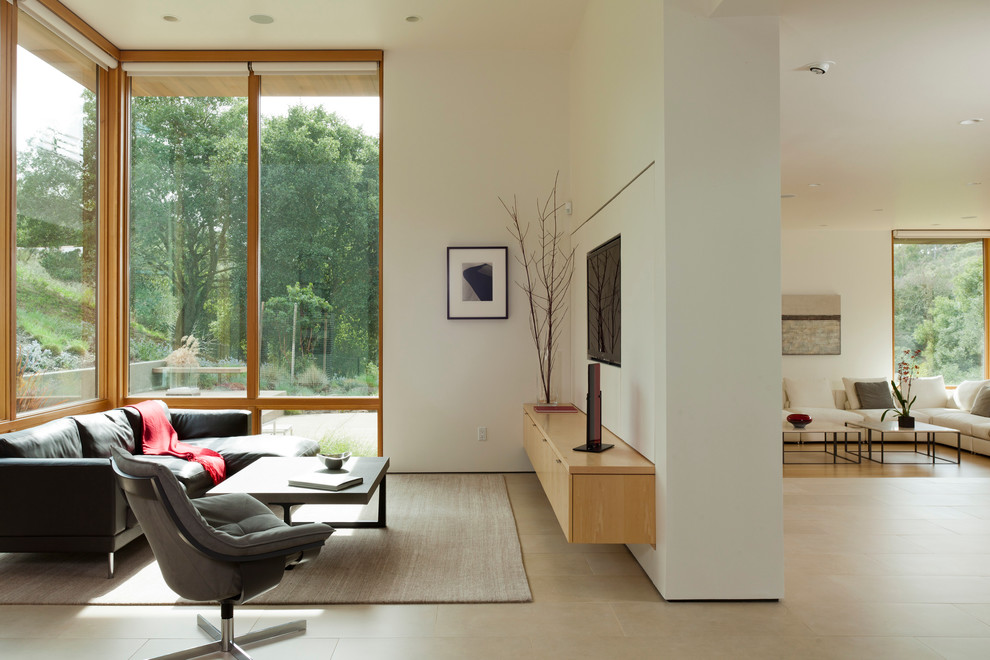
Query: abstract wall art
point(811, 325)
point(477, 282)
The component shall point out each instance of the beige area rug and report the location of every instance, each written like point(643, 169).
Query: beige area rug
point(451, 538)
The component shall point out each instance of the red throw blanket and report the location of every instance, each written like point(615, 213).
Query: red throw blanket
point(159, 438)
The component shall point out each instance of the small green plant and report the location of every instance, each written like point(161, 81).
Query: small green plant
point(336, 443)
point(371, 375)
point(314, 378)
point(273, 376)
point(146, 349)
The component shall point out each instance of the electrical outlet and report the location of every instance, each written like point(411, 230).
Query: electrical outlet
point(482, 433)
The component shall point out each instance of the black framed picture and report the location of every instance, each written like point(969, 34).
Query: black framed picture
point(477, 282)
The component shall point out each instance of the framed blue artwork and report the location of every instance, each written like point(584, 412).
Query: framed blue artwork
point(477, 282)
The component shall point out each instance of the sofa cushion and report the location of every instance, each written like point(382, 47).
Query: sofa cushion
point(930, 392)
point(192, 424)
point(100, 431)
point(874, 395)
point(981, 405)
point(240, 451)
point(849, 385)
point(959, 420)
point(980, 429)
point(56, 439)
point(809, 393)
point(966, 391)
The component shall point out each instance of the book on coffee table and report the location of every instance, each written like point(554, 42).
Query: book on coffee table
point(325, 481)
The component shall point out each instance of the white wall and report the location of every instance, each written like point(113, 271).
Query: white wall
point(461, 129)
point(615, 133)
point(855, 265)
point(701, 276)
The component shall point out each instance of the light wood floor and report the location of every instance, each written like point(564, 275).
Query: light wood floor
point(876, 567)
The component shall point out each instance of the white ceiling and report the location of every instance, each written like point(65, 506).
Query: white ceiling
point(880, 132)
point(378, 24)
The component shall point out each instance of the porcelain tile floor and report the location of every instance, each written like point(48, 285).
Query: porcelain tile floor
point(875, 568)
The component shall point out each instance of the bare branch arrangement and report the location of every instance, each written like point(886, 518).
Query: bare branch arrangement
point(548, 269)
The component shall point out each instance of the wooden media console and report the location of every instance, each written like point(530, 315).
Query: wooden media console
point(598, 498)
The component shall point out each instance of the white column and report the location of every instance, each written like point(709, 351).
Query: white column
point(720, 531)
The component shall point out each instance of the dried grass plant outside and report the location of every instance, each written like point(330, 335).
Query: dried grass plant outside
point(186, 355)
point(548, 268)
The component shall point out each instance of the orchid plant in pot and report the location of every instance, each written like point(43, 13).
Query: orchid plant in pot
point(907, 371)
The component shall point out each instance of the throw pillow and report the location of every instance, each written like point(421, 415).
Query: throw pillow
point(101, 431)
point(930, 391)
point(981, 405)
point(874, 396)
point(809, 393)
point(849, 384)
point(966, 391)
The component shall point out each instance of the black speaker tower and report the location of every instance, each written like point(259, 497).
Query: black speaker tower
point(594, 435)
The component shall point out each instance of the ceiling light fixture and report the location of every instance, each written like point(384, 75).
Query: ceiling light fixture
point(814, 185)
point(820, 68)
point(970, 122)
point(261, 19)
point(975, 183)
point(168, 18)
point(787, 196)
point(413, 19)
point(969, 217)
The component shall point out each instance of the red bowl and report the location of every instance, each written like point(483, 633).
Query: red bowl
point(799, 420)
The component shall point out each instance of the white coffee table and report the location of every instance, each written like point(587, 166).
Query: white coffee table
point(926, 432)
point(827, 429)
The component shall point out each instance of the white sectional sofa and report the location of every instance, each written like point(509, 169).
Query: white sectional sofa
point(935, 404)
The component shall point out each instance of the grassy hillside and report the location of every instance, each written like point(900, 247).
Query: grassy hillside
point(59, 315)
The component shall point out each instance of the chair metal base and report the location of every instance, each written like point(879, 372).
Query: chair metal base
point(224, 639)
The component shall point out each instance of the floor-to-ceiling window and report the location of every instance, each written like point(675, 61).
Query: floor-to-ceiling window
point(254, 234)
point(319, 228)
point(57, 221)
point(188, 233)
point(939, 306)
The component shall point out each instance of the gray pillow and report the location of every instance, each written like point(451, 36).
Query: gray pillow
point(981, 406)
point(874, 396)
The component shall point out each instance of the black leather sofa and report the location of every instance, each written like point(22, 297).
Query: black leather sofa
point(58, 492)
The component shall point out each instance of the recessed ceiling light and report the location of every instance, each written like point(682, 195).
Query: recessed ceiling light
point(968, 122)
point(975, 183)
point(823, 225)
point(787, 196)
point(170, 19)
point(969, 217)
point(936, 224)
point(413, 19)
point(261, 19)
point(814, 185)
point(877, 210)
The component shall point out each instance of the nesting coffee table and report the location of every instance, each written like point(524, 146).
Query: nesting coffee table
point(922, 433)
point(267, 479)
point(827, 429)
